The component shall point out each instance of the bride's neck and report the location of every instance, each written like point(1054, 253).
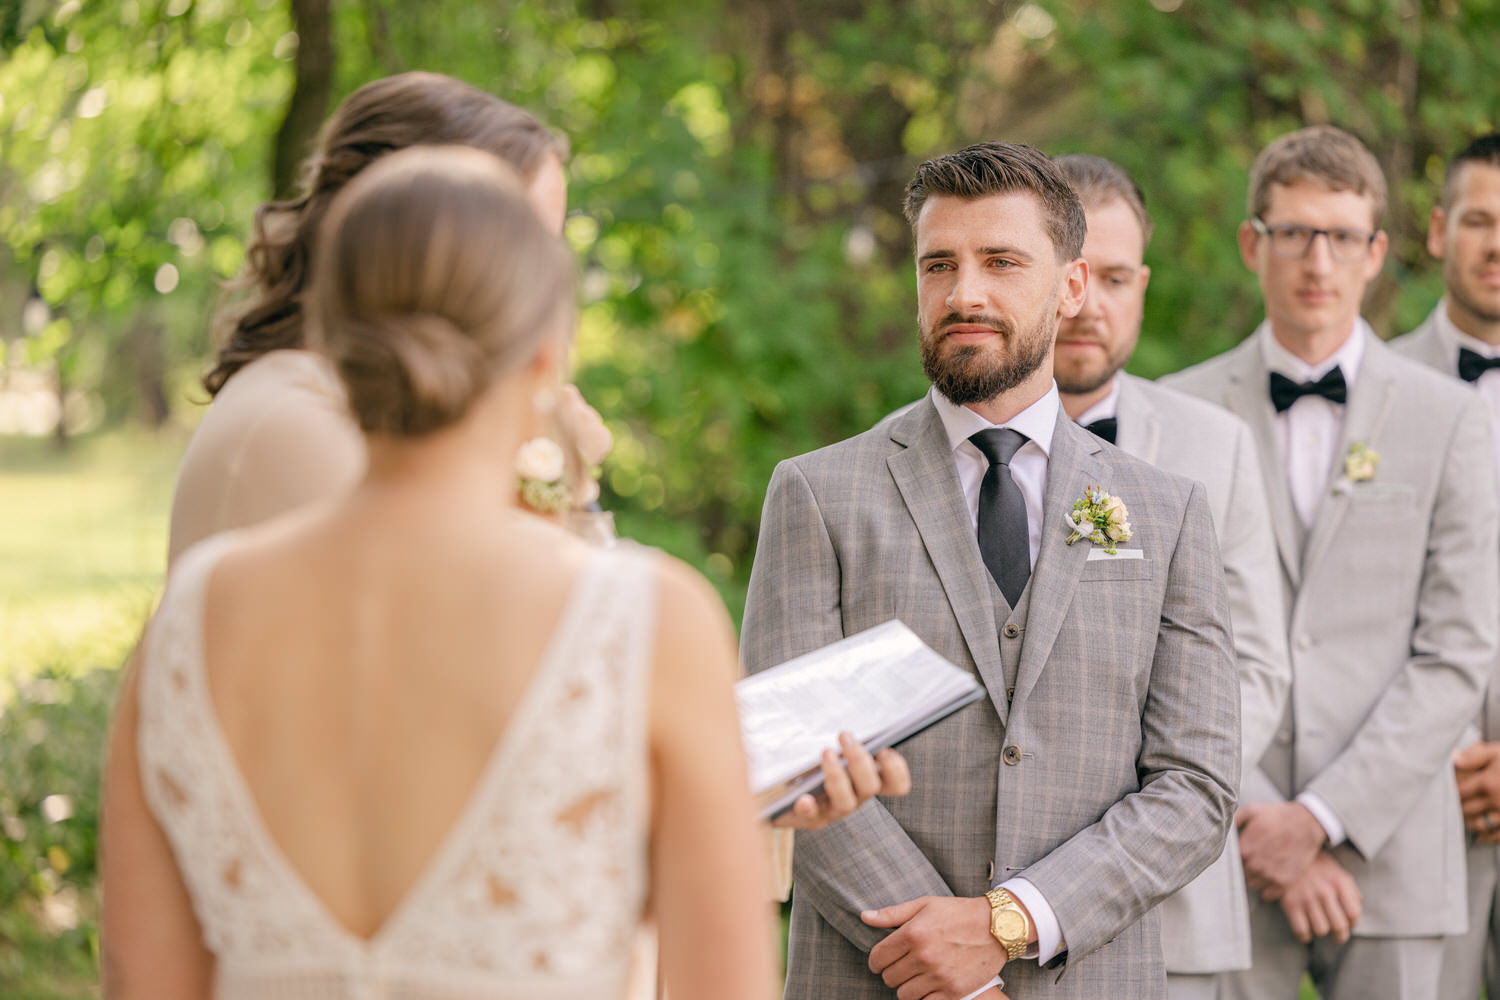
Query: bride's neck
point(472, 458)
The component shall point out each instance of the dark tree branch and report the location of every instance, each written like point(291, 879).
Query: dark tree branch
point(311, 94)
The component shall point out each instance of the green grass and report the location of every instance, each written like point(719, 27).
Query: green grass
point(82, 552)
point(82, 547)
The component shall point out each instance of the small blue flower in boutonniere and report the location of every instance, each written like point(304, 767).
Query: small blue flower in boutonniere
point(1100, 518)
point(1359, 466)
point(540, 465)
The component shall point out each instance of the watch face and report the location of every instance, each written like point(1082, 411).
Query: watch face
point(1009, 925)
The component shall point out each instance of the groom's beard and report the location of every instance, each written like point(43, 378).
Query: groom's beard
point(977, 373)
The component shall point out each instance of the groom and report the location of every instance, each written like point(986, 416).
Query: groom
point(1046, 822)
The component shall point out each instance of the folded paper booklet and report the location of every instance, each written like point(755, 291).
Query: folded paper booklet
point(882, 685)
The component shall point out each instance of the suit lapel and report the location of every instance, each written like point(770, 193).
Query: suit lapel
point(1248, 396)
point(1139, 426)
point(925, 475)
point(1364, 414)
point(1072, 465)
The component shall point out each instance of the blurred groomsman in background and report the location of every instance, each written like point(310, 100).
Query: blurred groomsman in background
point(1462, 337)
point(1380, 478)
point(1205, 926)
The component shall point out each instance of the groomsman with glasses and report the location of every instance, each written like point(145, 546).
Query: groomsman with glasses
point(1205, 926)
point(1380, 478)
point(1462, 338)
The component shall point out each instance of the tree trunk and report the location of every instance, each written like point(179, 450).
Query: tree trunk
point(150, 370)
point(311, 94)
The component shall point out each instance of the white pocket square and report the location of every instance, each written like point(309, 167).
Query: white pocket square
point(1117, 554)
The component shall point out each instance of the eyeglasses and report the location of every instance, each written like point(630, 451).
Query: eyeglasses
point(1293, 242)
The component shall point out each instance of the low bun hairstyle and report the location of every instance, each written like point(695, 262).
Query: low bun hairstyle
point(434, 276)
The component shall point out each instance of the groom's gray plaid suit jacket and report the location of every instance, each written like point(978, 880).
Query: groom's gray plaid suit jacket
point(1107, 779)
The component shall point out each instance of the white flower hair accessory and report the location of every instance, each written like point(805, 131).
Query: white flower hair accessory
point(1100, 518)
point(540, 465)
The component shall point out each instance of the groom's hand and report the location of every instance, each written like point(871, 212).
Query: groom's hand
point(941, 948)
point(1278, 843)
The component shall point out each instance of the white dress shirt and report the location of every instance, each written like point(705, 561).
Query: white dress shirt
point(1488, 383)
point(1028, 468)
point(1107, 408)
point(1309, 433)
point(1310, 430)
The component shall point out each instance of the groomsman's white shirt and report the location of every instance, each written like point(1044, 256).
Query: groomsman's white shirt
point(1309, 433)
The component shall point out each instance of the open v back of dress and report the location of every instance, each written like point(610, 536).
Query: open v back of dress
point(537, 888)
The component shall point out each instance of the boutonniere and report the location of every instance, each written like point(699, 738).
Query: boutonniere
point(540, 465)
point(1100, 518)
point(1359, 466)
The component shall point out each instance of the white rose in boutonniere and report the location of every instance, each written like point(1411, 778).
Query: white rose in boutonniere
point(1359, 466)
point(539, 469)
point(1100, 518)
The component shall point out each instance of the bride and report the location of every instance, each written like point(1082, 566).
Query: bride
point(397, 744)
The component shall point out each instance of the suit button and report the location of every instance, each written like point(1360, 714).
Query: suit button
point(1012, 630)
point(990, 878)
point(1304, 642)
point(1284, 738)
point(1012, 755)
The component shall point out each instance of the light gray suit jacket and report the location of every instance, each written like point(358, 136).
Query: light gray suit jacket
point(1106, 777)
point(1391, 601)
point(1205, 927)
point(1429, 345)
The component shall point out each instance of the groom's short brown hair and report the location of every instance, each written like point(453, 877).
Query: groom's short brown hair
point(989, 168)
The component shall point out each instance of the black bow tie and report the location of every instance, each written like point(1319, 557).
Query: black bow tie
point(1471, 365)
point(1285, 392)
point(1106, 427)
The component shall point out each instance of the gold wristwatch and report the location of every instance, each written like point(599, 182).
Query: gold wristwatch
point(1009, 924)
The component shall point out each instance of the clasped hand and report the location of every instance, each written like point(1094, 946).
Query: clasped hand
point(941, 948)
point(1323, 901)
point(1477, 769)
point(1278, 843)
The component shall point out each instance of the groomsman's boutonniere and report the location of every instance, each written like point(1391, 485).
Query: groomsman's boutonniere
point(539, 469)
point(1359, 466)
point(1100, 518)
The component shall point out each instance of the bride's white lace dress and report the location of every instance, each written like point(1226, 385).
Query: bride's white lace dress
point(537, 889)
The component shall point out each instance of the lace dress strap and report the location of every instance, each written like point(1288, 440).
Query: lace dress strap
point(192, 785)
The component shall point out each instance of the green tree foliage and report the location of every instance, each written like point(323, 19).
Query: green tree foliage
point(133, 137)
point(736, 177)
point(1184, 94)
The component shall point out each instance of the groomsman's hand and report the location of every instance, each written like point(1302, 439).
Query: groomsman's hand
point(1477, 769)
point(1323, 901)
point(941, 949)
point(1278, 843)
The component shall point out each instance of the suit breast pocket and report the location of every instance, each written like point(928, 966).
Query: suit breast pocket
point(1108, 570)
point(1378, 502)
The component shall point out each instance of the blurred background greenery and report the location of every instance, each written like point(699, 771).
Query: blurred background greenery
point(735, 183)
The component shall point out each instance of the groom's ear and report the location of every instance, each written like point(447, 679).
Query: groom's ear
point(1075, 286)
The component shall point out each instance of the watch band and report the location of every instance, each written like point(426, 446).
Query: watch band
point(1003, 906)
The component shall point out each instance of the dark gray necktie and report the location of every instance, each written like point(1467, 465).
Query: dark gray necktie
point(1004, 539)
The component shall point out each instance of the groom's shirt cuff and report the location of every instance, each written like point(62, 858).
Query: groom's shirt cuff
point(1049, 940)
point(1325, 817)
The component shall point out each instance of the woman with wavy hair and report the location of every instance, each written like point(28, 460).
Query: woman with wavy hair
point(277, 434)
point(411, 741)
